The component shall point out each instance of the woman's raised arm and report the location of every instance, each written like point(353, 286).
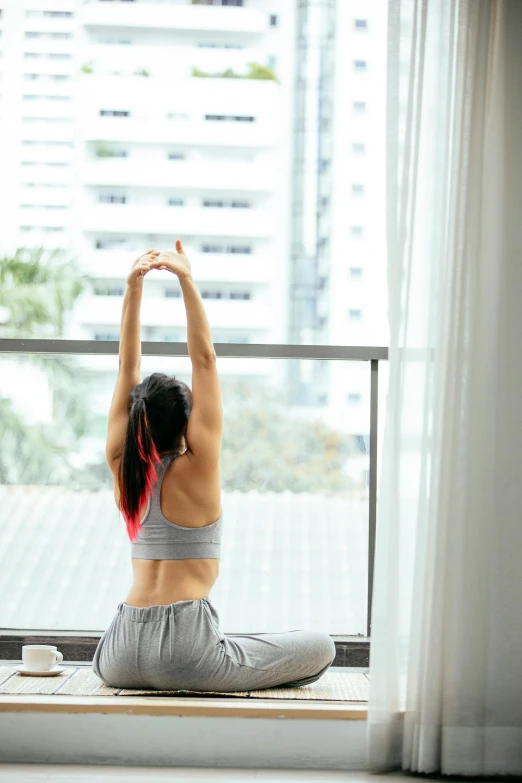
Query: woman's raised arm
point(206, 419)
point(129, 359)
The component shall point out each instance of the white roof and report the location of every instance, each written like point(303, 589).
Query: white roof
point(289, 561)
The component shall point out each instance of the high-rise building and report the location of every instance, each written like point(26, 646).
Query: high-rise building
point(166, 149)
point(39, 44)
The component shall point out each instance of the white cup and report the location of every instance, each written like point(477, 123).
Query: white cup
point(40, 657)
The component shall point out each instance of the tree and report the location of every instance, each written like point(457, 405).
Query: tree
point(37, 290)
point(266, 448)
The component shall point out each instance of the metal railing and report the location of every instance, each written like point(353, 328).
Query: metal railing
point(371, 354)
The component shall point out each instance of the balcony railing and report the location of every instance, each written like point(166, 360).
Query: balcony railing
point(370, 354)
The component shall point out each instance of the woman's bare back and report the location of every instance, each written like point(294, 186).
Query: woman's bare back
point(187, 500)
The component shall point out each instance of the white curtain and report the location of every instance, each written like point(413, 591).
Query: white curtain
point(446, 641)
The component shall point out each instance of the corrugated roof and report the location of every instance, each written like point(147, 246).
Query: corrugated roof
point(288, 561)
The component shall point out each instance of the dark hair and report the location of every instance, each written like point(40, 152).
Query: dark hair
point(159, 410)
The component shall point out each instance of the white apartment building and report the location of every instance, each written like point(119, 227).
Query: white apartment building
point(163, 153)
point(38, 68)
point(356, 295)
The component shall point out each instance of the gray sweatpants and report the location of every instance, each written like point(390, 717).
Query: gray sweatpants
point(179, 647)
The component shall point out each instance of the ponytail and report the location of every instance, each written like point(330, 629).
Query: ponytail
point(137, 467)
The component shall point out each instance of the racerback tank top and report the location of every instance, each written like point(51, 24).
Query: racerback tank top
point(159, 539)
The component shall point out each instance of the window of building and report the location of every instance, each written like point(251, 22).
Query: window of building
point(107, 152)
point(111, 198)
point(177, 116)
point(104, 290)
point(354, 398)
point(357, 231)
point(55, 36)
point(171, 337)
point(176, 156)
point(229, 118)
point(114, 113)
point(43, 206)
point(109, 244)
point(359, 107)
point(222, 294)
point(46, 97)
point(49, 14)
point(233, 249)
point(226, 204)
point(54, 77)
point(358, 148)
point(215, 45)
point(357, 190)
point(50, 163)
point(106, 336)
point(355, 315)
point(273, 20)
point(118, 41)
point(360, 25)
point(236, 3)
point(356, 272)
point(53, 185)
point(172, 293)
point(360, 65)
point(59, 56)
point(176, 202)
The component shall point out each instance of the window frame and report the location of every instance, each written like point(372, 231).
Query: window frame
point(80, 646)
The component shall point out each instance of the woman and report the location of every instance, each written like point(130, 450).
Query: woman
point(163, 448)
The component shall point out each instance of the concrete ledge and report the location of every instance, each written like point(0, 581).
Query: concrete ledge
point(80, 733)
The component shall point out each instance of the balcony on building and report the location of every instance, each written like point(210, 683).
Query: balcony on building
point(182, 110)
point(222, 176)
point(176, 15)
point(167, 312)
point(152, 219)
point(206, 268)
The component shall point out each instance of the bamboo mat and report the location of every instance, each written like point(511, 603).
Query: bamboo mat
point(81, 681)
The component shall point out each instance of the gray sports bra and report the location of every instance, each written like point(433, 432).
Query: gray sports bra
point(159, 539)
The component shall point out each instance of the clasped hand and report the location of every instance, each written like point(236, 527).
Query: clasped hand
point(176, 262)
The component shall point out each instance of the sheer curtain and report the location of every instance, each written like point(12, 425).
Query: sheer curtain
point(446, 649)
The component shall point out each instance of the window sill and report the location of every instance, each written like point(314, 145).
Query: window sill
point(184, 707)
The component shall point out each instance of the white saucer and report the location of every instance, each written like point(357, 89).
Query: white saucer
point(49, 673)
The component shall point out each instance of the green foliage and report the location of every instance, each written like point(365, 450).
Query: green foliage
point(266, 449)
point(37, 290)
point(256, 71)
point(87, 68)
point(104, 152)
point(141, 72)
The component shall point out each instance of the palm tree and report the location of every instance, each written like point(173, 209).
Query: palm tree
point(38, 288)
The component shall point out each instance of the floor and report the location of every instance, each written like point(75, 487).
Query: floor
point(43, 773)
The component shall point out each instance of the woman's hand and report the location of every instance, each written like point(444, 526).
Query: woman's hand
point(140, 268)
point(177, 263)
